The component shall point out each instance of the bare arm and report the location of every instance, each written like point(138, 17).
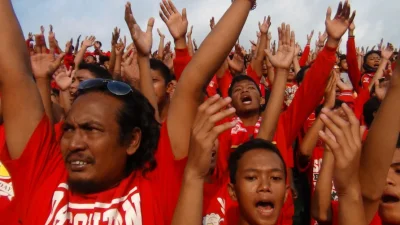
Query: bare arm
point(88, 42)
point(161, 45)
point(281, 61)
point(375, 164)
point(143, 42)
point(22, 112)
point(190, 42)
point(258, 60)
point(114, 41)
point(296, 63)
point(207, 60)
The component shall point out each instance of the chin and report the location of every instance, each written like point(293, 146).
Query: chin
point(83, 186)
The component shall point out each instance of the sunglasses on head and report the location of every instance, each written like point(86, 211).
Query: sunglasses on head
point(115, 87)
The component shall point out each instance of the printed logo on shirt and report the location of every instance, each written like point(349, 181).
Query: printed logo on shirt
point(124, 210)
point(6, 188)
point(316, 170)
point(290, 92)
point(212, 219)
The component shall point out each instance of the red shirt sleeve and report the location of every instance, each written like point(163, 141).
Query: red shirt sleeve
point(309, 94)
point(354, 71)
point(304, 56)
point(212, 86)
point(362, 98)
point(40, 158)
point(252, 73)
point(224, 83)
point(181, 60)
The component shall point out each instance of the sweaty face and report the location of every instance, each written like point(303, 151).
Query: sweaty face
point(91, 148)
point(80, 75)
point(159, 85)
point(373, 60)
point(245, 97)
point(389, 209)
point(260, 187)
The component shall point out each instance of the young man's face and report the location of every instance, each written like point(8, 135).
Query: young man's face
point(245, 97)
point(80, 75)
point(91, 147)
point(373, 60)
point(343, 65)
point(389, 209)
point(160, 88)
point(260, 187)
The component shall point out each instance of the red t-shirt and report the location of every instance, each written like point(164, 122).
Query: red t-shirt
point(181, 60)
point(43, 196)
point(252, 73)
point(366, 80)
point(290, 92)
point(224, 83)
point(212, 87)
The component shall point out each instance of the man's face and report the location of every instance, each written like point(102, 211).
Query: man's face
point(260, 187)
point(389, 208)
point(343, 65)
point(90, 59)
point(80, 75)
point(91, 148)
point(159, 85)
point(245, 97)
point(373, 60)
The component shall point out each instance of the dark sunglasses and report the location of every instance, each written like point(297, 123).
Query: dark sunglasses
point(115, 87)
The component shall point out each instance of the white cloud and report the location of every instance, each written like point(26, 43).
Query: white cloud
point(375, 19)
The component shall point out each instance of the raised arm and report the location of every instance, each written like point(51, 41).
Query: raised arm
point(203, 139)
point(189, 41)
point(22, 112)
point(281, 61)
point(306, 53)
point(114, 42)
point(160, 52)
point(257, 61)
point(345, 143)
point(351, 57)
point(375, 164)
point(77, 45)
point(143, 42)
point(207, 60)
point(88, 42)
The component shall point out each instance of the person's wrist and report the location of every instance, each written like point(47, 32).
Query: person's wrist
point(180, 43)
point(190, 175)
point(332, 42)
point(43, 78)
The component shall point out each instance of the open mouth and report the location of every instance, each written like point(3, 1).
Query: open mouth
point(389, 199)
point(376, 65)
point(246, 100)
point(265, 207)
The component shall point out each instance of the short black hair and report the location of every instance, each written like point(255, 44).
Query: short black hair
point(246, 147)
point(370, 107)
point(99, 43)
point(240, 78)
point(342, 57)
point(136, 112)
point(96, 70)
point(370, 53)
point(301, 74)
point(103, 59)
point(338, 103)
point(158, 65)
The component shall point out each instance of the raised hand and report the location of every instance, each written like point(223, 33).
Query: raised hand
point(381, 89)
point(189, 34)
point(322, 38)
point(120, 47)
point(169, 60)
point(52, 35)
point(88, 42)
point(309, 37)
point(339, 25)
point(380, 45)
point(177, 23)
point(352, 27)
point(286, 47)
point(143, 40)
point(115, 36)
point(42, 30)
point(212, 23)
point(64, 78)
point(345, 145)
point(264, 27)
point(130, 68)
point(161, 34)
point(30, 36)
point(387, 52)
point(297, 50)
point(44, 65)
point(205, 133)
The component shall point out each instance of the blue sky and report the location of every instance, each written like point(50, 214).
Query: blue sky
point(374, 20)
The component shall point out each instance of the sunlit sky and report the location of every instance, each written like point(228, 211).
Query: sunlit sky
point(70, 18)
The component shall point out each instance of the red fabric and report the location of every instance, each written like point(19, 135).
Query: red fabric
point(366, 80)
point(181, 60)
point(8, 213)
point(347, 97)
point(362, 98)
point(212, 87)
point(69, 60)
point(304, 57)
point(39, 178)
point(353, 71)
point(252, 73)
point(54, 85)
point(224, 83)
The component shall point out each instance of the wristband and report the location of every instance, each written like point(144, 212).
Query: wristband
point(253, 4)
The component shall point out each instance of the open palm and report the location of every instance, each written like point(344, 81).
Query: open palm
point(286, 48)
point(44, 65)
point(177, 23)
point(342, 21)
point(143, 40)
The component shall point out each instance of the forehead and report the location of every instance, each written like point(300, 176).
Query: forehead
point(156, 73)
point(260, 159)
point(373, 55)
point(84, 74)
point(244, 83)
point(94, 106)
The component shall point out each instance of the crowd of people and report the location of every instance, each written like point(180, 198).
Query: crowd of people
point(195, 135)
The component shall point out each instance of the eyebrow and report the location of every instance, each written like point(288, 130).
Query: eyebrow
point(269, 170)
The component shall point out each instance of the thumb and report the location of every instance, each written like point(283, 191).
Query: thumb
point(328, 14)
point(184, 16)
point(150, 25)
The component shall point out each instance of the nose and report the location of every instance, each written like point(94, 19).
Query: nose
point(389, 179)
point(264, 185)
point(77, 141)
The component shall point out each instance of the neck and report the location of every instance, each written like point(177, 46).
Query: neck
point(250, 119)
point(163, 109)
